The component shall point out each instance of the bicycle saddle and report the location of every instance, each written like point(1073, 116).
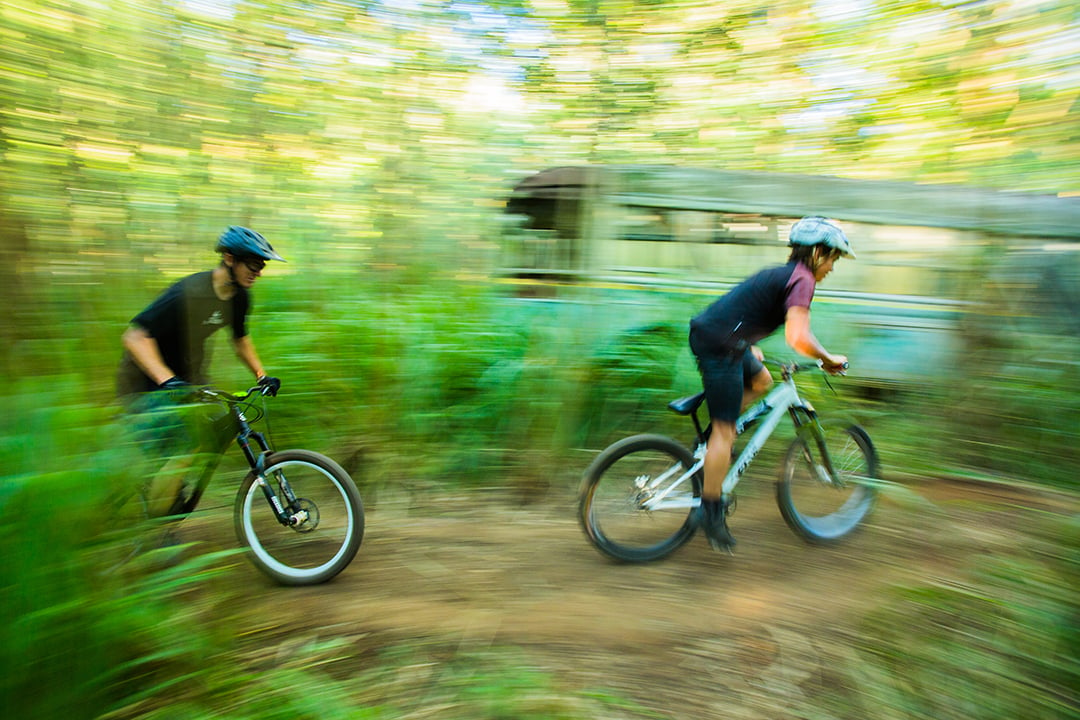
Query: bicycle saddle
point(687, 405)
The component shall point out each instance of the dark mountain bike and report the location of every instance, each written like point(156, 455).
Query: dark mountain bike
point(638, 495)
point(297, 512)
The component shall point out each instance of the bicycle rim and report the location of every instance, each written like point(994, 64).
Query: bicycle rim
point(820, 510)
point(318, 548)
point(615, 506)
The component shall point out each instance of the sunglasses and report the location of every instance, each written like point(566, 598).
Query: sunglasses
point(254, 265)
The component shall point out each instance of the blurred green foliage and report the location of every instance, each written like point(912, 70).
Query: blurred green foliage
point(1002, 642)
point(373, 143)
point(90, 628)
point(386, 134)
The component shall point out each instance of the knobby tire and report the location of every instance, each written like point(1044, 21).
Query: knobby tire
point(313, 552)
point(611, 507)
point(822, 510)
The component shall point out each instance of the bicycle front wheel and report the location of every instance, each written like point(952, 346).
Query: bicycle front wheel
point(327, 518)
point(632, 504)
point(821, 508)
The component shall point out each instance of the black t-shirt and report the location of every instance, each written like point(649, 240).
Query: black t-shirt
point(180, 320)
point(753, 309)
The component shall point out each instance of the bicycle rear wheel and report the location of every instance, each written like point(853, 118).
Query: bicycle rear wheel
point(328, 508)
point(622, 514)
point(822, 509)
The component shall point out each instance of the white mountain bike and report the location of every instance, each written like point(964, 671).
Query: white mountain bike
point(638, 496)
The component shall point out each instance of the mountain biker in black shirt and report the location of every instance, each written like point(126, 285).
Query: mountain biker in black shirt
point(165, 344)
point(164, 349)
point(723, 337)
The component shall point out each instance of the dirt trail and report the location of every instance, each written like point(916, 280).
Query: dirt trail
point(697, 635)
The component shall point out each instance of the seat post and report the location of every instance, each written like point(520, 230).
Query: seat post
point(697, 426)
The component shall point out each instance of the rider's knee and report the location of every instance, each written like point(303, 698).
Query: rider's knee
point(761, 382)
point(723, 431)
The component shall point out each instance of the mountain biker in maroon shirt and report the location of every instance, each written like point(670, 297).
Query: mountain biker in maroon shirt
point(723, 337)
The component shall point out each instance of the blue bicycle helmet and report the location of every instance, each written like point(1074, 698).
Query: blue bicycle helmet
point(242, 242)
point(816, 230)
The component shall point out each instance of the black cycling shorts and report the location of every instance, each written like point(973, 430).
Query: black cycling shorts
point(724, 376)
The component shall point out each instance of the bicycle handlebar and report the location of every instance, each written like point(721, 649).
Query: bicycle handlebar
point(795, 367)
point(211, 393)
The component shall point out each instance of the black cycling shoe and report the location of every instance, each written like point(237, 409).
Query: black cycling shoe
point(720, 538)
point(712, 519)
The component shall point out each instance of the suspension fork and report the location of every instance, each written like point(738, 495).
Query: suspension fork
point(808, 428)
point(284, 513)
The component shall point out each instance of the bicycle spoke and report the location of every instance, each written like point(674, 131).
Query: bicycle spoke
point(823, 508)
point(637, 498)
point(327, 519)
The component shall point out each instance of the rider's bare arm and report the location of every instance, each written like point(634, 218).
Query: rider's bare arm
point(145, 352)
point(801, 338)
point(245, 350)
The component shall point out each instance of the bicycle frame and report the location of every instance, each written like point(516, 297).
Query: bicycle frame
point(784, 399)
point(256, 460)
point(284, 514)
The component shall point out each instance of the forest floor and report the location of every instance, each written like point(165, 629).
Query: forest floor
point(754, 635)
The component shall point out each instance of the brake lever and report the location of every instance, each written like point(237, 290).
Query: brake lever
point(826, 376)
point(843, 367)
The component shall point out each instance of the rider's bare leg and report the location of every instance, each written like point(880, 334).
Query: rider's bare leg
point(717, 462)
point(722, 439)
point(164, 487)
point(717, 458)
point(759, 385)
point(713, 511)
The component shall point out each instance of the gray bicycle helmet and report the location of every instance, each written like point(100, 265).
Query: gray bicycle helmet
point(242, 242)
point(817, 230)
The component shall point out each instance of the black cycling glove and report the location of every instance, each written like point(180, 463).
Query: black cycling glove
point(270, 385)
point(174, 383)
